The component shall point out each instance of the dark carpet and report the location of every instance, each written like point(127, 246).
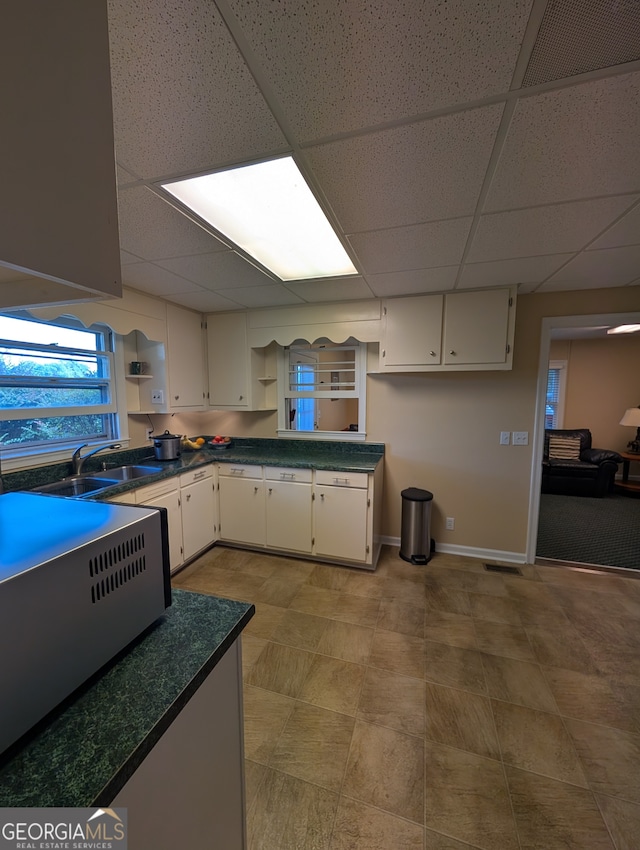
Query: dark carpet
point(605, 531)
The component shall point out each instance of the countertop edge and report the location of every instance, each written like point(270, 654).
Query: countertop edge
point(106, 794)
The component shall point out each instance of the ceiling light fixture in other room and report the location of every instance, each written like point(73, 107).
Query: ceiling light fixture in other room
point(268, 210)
point(624, 329)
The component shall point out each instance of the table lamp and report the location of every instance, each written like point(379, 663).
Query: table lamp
point(632, 417)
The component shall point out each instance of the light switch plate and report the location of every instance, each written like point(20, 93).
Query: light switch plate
point(505, 437)
point(520, 438)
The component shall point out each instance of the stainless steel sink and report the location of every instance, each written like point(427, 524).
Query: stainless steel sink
point(78, 485)
point(128, 473)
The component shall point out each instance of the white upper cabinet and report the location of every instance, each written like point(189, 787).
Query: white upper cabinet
point(452, 332)
point(476, 327)
point(59, 239)
point(228, 359)
point(185, 359)
point(412, 331)
point(240, 377)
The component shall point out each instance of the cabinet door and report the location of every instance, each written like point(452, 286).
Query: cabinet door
point(242, 510)
point(185, 360)
point(340, 522)
point(171, 502)
point(476, 327)
point(228, 357)
point(288, 506)
point(198, 516)
point(412, 332)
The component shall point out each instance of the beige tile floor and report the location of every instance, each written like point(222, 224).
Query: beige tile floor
point(436, 708)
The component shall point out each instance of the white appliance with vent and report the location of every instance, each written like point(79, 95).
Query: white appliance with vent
point(79, 580)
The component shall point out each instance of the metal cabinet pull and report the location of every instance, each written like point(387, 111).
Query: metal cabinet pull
point(432, 353)
point(287, 475)
point(452, 351)
point(236, 471)
point(343, 480)
point(255, 489)
point(270, 490)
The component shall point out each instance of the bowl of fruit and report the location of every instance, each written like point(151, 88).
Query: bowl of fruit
point(219, 442)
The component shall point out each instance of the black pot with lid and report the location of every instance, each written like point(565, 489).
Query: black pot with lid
point(167, 446)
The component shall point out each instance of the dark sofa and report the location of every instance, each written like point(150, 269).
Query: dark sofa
point(592, 473)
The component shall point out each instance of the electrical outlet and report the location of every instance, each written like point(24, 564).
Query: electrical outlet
point(520, 438)
point(505, 437)
point(450, 523)
point(149, 433)
point(157, 397)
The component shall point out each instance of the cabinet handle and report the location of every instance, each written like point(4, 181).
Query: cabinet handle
point(343, 480)
point(432, 353)
point(188, 497)
point(240, 398)
point(176, 397)
point(322, 497)
point(452, 351)
point(255, 489)
point(287, 475)
point(270, 490)
point(236, 471)
point(198, 475)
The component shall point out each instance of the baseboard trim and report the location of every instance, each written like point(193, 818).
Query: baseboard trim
point(469, 551)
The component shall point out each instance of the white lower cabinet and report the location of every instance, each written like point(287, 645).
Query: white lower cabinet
point(242, 509)
point(199, 521)
point(165, 494)
point(191, 507)
point(288, 508)
point(341, 515)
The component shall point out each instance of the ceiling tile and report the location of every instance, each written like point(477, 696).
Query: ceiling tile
point(275, 295)
point(153, 229)
point(506, 272)
point(438, 243)
point(204, 301)
point(421, 172)
point(544, 230)
point(412, 282)
point(217, 271)
point(576, 142)
point(332, 289)
point(183, 98)
point(126, 258)
point(123, 176)
point(386, 60)
point(606, 267)
point(157, 281)
point(624, 232)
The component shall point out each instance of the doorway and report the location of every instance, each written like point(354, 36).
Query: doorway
point(571, 325)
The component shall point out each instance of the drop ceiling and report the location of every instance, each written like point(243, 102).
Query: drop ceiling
point(453, 145)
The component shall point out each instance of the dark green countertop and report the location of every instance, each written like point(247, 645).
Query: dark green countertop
point(342, 456)
point(84, 752)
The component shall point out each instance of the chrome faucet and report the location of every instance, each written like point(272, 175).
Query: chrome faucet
point(78, 461)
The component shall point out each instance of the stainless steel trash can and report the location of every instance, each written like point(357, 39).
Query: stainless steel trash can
point(415, 533)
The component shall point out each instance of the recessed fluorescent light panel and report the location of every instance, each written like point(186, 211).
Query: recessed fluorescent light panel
point(268, 210)
point(624, 329)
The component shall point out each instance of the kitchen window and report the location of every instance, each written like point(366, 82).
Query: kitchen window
point(322, 390)
point(56, 385)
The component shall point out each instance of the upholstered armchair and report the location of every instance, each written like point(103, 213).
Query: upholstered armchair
point(570, 466)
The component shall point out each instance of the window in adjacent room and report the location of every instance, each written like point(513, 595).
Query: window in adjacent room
point(56, 384)
point(556, 379)
point(322, 390)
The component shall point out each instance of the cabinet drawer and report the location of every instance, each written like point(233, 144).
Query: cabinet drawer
point(286, 473)
point(240, 470)
point(194, 475)
point(144, 495)
point(342, 479)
